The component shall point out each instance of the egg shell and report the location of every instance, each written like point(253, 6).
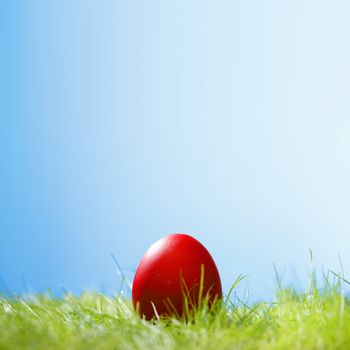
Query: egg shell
point(169, 271)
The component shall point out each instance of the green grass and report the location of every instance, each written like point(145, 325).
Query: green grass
point(316, 319)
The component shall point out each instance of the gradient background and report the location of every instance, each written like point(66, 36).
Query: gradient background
point(122, 121)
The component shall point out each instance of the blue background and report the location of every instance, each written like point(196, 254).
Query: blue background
point(122, 121)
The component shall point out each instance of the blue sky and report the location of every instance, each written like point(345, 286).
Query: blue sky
point(123, 121)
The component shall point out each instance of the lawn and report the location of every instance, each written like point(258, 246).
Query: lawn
point(316, 319)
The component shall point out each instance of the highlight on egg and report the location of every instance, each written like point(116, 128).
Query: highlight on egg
point(176, 273)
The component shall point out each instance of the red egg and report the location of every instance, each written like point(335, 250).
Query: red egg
point(169, 273)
